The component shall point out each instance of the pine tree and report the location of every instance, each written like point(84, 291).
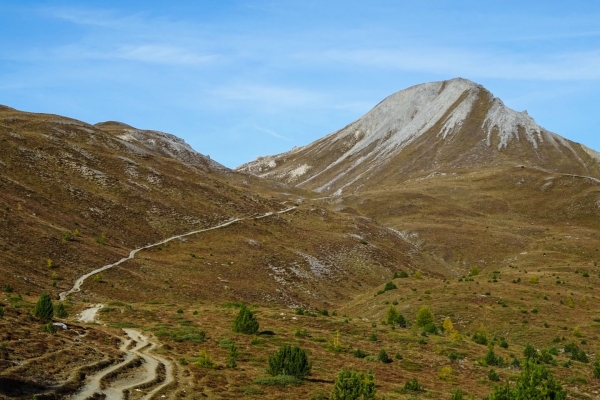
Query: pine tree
point(424, 316)
point(43, 308)
point(392, 316)
point(351, 385)
point(245, 322)
point(535, 382)
point(291, 361)
point(60, 311)
point(448, 327)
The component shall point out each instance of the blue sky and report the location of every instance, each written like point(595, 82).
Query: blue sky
point(240, 79)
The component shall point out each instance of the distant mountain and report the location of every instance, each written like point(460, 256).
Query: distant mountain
point(438, 126)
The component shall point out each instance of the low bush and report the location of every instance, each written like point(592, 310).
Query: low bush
point(491, 359)
point(358, 353)
point(49, 328)
point(277, 380)
point(245, 322)
point(181, 334)
point(493, 376)
point(383, 357)
point(289, 360)
point(351, 385)
point(576, 353)
point(413, 386)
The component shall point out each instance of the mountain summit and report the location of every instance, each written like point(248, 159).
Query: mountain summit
point(433, 126)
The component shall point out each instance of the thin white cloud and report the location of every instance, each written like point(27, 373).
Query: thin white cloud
point(272, 133)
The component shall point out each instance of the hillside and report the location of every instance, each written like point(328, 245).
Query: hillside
point(471, 209)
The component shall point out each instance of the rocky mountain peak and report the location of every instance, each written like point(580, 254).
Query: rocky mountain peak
point(453, 123)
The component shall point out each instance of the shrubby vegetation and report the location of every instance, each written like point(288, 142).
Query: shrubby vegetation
point(425, 320)
point(44, 309)
point(534, 382)
point(351, 385)
point(245, 322)
point(291, 361)
point(60, 311)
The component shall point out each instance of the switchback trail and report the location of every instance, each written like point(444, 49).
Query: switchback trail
point(112, 381)
point(77, 286)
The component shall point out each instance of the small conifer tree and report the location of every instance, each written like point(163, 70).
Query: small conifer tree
point(44, 309)
point(351, 385)
point(424, 317)
point(291, 361)
point(245, 322)
point(448, 327)
point(535, 382)
point(392, 316)
point(60, 311)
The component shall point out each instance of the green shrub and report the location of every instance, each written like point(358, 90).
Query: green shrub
point(226, 343)
point(351, 385)
point(493, 376)
point(373, 337)
point(278, 380)
point(576, 353)
point(390, 286)
point(289, 360)
point(383, 357)
point(301, 333)
point(413, 386)
point(1, 311)
point(44, 309)
point(491, 359)
point(358, 353)
point(530, 352)
point(232, 356)
point(424, 317)
point(480, 338)
point(534, 382)
point(392, 316)
point(503, 343)
point(181, 334)
point(245, 322)
point(430, 328)
point(8, 288)
point(457, 395)
point(546, 357)
point(60, 311)
point(49, 328)
point(597, 370)
point(204, 360)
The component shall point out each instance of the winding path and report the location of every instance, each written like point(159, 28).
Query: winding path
point(77, 286)
point(135, 345)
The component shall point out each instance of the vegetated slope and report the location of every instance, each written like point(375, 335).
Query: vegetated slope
point(75, 197)
point(434, 126)
point(460, 174)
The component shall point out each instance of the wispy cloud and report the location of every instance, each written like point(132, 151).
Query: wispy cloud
point(272, 133)
point(146, 53)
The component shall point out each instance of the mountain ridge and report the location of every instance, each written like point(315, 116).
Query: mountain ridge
point(446, 112)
